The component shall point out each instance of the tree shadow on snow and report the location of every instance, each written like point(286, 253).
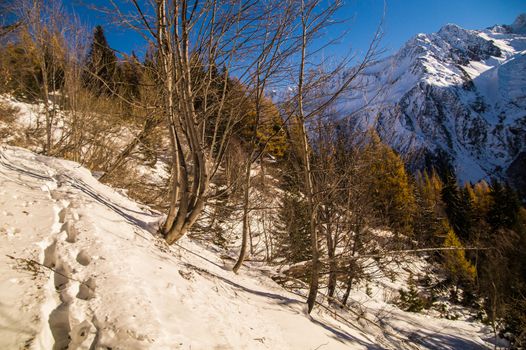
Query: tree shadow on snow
point(4, 161)
point(345, 337)
point(121, 211)
point(443, 341)
point(339, 335)
point(86, 189)
point(282, 300)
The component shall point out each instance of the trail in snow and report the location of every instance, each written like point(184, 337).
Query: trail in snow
point(71, 321)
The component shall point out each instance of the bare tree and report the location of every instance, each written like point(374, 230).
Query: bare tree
point(193, 39)
point(275, 50)
point(42, 32)
point(316, 16)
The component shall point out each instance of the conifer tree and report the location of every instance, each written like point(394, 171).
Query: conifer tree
point(292, 229)
point(504, 207)
point(101, 66)
point(481, 198)
point(130, 78)
point(270, 136)
point(458, 267)
point(458, 208)
point(429, 216)
point(393, 194)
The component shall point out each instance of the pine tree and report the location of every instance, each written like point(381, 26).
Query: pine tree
point(468, 208)
point(481, 198)
point(292, 228)
point(130, 79)
point(271, 136)
point(458, 208)
point(429, 216)
point(101, 66)
point(504, 207)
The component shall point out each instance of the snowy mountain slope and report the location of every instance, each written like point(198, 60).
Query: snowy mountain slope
point(80, 269)
point(456, 96)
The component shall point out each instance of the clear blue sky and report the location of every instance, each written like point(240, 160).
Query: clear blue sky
point(403, 19)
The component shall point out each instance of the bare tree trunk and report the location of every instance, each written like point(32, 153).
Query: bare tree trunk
point(331, 252)
point(307, 171)
point(246, 222)
point(351, 270)
point(348, 289)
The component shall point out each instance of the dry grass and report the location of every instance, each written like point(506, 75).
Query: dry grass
point(8, 116)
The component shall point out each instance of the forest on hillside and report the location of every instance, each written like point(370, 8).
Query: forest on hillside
point(235, 105)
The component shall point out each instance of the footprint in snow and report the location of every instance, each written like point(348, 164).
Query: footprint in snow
point(82, 335)
point(62, 215)
point(83, 258)
point(87, 289)
point(71, 231)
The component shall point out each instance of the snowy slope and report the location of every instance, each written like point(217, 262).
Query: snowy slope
point(81, 269)
point(456, 96)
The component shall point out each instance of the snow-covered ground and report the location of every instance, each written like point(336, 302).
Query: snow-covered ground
point(82, 268)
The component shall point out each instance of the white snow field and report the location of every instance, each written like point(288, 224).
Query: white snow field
point(82, 268)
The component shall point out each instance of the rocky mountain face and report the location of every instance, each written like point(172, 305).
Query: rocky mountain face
point(455, 98)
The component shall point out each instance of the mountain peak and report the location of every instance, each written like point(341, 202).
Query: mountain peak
point(450, 28)
point(519, 26)
point(453, 97)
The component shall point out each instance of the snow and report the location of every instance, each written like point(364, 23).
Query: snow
point(28, 114)
point(82, 268)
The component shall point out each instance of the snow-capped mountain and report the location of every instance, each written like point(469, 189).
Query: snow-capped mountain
point(457, 97)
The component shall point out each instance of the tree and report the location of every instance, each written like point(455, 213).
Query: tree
point(457, 266)
point(393, 194)
point(458, 208)
point(129, 79)
point(192, 39)
point(101, 66)
point(43, 43)
point(504, 208)
point(429, 216)
point(316, 89)
point(255, 40)
point(292, 228)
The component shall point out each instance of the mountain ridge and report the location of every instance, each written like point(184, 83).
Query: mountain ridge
point(452, 97)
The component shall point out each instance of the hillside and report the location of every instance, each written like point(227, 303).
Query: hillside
point(82, 268)
point(200, 175)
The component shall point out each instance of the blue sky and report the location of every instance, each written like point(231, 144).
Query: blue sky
point(403, 19)
point(406, 18)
